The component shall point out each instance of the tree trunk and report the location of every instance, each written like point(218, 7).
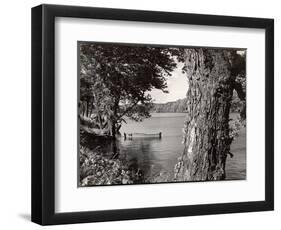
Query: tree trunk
point(88, 108)
point(113, 131)
point(114, 118)
point(206, 129)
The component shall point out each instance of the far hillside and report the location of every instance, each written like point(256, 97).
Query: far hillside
point(179, 106)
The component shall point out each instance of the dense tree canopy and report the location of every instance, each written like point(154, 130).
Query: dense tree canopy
point(115, 81)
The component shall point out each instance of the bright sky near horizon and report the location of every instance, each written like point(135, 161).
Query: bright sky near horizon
point(177, 87)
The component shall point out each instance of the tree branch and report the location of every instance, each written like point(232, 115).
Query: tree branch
point(242, 96)
point(128, 109)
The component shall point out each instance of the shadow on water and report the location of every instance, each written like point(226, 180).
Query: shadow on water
point(138, 154)
point(107, 146)
point(154, 156)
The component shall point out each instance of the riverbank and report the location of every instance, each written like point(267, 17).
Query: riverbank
point(97, 169)
point(145, 160)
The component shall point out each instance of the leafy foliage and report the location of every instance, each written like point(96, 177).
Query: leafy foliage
point(115, 80)
point(238, 71)
point(96, 169)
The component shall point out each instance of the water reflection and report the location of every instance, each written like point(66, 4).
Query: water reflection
point(153, 156)
point(140, 153)
point(147, 156)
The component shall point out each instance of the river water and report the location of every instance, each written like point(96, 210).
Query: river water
point(154, 155)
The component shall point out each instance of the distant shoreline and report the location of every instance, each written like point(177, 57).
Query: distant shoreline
point(178, 106)
point(166, 112)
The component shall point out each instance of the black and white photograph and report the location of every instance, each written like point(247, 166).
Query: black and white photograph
point(147, 113)
point(159, 114)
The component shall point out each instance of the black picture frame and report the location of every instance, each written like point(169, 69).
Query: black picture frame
point(43, 114)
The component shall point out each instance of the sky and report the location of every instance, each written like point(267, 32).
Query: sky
point(177, 87)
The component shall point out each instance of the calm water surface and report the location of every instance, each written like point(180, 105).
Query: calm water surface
point(154, 156)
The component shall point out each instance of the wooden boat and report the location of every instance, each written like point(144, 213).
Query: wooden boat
point(142, 135)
